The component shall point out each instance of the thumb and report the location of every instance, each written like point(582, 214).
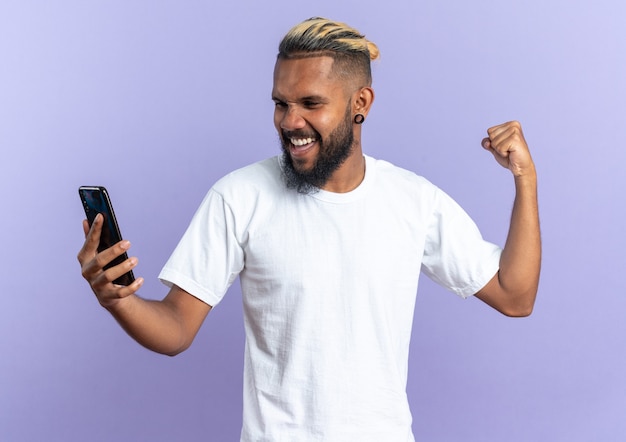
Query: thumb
point(486, 143)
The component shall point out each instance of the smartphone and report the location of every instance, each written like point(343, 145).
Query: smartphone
point(96, 200)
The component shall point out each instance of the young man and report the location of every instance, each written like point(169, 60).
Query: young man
point(328, 244)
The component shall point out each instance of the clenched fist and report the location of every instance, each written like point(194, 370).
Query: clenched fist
point(507, 144)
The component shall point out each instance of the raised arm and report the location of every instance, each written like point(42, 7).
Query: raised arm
point(168, 326)
point(513, 290)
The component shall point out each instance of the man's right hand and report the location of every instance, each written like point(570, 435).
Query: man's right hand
point(92, 266)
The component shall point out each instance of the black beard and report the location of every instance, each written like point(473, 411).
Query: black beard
point(333, 152)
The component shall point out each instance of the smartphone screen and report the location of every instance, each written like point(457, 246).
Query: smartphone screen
point(96, 200)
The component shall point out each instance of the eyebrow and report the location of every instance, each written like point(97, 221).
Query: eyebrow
point(317, 98)
point(314, 98)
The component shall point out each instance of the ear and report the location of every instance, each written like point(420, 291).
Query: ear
point(362, 101)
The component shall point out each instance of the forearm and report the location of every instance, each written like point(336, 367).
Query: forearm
point(153, 324)
point(521, 258)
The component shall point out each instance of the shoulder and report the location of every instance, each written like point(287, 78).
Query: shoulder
point(262, 176)
point(264, 171)
point(410, 191)
point(397, 180)
point(242, 194)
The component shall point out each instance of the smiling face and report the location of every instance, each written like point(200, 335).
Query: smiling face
point(313, 117)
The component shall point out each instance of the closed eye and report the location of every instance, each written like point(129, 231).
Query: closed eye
point(310, 104)
point(280, 104)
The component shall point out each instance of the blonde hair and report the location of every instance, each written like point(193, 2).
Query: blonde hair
point(318, 36)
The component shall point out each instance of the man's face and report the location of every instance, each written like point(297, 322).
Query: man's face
point(313, 119)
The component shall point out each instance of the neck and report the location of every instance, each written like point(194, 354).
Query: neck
point(349, 175)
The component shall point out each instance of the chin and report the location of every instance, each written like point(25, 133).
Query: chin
point(301, 164)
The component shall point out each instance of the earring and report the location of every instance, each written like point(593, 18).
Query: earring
point(359, 119)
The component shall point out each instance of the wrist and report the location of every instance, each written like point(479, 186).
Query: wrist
point(116, 305)
point(526, 175)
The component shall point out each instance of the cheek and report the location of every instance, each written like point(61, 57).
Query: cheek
point(324, 124)
point(277, 119)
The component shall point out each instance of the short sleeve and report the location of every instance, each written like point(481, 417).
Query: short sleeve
point(455, 254)
point(209, 256)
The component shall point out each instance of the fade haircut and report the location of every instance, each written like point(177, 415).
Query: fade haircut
point(350, 50)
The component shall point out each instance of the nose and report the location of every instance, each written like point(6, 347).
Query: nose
point(290, 119)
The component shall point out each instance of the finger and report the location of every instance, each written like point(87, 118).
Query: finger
point(506, 136)
point(111, 274)
point(507, 141)
point(93, 235)
point(92, 265)
point(113, 293)
point(102, 281)
point(108, 255)
point(86, 227)
point(489, 146)
point(92, 239)
point(131, 289)
point(497, 129)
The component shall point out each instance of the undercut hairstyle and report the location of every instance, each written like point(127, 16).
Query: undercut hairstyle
point(351, 51)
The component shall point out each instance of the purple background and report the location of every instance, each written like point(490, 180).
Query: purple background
point(157, 100)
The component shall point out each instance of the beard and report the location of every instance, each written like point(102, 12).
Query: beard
point(333, 152)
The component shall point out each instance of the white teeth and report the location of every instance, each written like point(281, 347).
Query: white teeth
point(300, 141)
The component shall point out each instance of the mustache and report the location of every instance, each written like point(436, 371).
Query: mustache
point(285, 134)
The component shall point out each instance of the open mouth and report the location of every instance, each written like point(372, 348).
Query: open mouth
point(300, 146)
point(299, 142)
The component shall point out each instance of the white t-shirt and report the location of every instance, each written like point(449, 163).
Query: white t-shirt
point(329, 284)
